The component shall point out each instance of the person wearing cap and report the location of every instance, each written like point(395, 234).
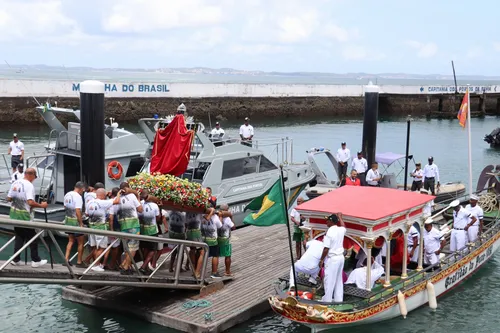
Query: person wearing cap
point(333, 252)
point(217, 131)
point(427, 210)
point(360, 164)
point(19, 174)
point(418, 175)
point(474, 229)
point(373, 176)
point(309, 263)
point(73, 206)
point(343, 156)
point(413, 241)
point(298, 235)
point(431, 175)
point(433, 243)
point(246, 133)
point(353, 180)
point(16, 150)
point(461, 219)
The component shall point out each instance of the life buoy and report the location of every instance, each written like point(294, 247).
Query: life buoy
point(111, 170)
point(307, 295)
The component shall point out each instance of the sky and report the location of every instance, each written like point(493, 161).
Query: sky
point(336, 36)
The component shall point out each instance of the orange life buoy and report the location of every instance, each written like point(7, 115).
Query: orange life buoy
point(306, 295)
point(111, 170)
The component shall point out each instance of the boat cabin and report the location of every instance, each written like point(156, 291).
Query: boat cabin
point(373, 218)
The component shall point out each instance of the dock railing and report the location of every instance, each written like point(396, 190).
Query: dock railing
point(5, 168)
point(153, 280)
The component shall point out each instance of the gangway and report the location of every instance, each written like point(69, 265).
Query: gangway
point(69, 275)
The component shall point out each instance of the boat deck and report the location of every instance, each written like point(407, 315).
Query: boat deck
point(260, 258)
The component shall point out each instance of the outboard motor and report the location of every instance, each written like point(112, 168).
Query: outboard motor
point(493, 138)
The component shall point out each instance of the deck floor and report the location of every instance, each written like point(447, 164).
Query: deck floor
point(260, 257)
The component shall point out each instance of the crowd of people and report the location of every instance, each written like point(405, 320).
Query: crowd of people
point(126, 210)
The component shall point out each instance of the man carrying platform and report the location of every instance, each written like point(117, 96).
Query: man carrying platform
point(73, 205)
point(309, 262)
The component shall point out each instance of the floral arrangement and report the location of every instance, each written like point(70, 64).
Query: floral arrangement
point(171, 190)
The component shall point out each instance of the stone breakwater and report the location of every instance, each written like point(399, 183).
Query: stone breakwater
point(22, 109)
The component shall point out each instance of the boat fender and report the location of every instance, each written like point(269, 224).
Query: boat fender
point(307, 295)
point(402, 304)
point(111, 170)
point(432, 295)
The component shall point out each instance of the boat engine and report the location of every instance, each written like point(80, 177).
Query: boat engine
point(493, 138)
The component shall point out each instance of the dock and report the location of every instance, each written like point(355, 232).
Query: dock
point(260, 258)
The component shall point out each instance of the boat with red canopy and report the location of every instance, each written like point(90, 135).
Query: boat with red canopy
point(378, 220)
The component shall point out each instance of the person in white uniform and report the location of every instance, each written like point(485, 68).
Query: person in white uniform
point(431, 175)
point(459, 234)
point(373, 176)
point(433, 243)
point(413, 244)
point(475, 228)
point(332, 259)
point(343, 156)
point(16, 150)
point(246, 133)
point(358, 275)
point(19, 174)
point(418, 175)
point(309, 262)
point(217, 131)
point(361, 166)
point(427, 210)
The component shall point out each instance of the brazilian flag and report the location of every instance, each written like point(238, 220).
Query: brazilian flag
point(270, 208)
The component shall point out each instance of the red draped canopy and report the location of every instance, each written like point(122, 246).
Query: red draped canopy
point(172, 148)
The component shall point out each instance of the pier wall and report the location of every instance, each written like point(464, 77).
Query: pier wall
point(131, 101)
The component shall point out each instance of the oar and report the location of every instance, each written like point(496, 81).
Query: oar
point(50, 247)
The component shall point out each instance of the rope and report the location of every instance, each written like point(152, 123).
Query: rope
point(488, 202)
point(196, 304)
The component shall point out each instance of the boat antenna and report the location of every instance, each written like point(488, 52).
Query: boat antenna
point(33, 96)
point(209, 120)
point(454, 77)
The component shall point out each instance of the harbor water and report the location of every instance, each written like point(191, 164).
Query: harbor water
point(471, 307)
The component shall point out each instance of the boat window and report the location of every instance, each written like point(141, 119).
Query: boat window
point(135, 166)
point(240, 167)
point(266, 165)
point(250, 165)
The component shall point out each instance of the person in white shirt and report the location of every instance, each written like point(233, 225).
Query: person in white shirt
point(217, 131)
point(21, 195)
point(308, 263)
point(413, 240)
point(246, 133)
point(298, 235)
point(361, 166)
point(73, 205)
point(418, 175)
point(373, 176)
point(475, 228)
point(19, 174)
point(343, 156)
point(333, 251)
point(433, 243)
point(224, 237)
point(431, 175)
point(149, 227)
point(427, 210)
point(358, 275)
point(16, 150)
point(460, 222)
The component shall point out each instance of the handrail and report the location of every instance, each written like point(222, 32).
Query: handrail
point(7, 166)
point(52, 176)
point(49, 227)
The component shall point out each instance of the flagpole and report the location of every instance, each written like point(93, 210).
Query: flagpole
point(285, 207)
point(469, 139)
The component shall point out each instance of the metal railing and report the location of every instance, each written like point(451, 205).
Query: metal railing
point(5, 169)
point(42, 172)
point(148, 281)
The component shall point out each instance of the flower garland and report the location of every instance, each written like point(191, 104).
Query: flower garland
point(171, 189)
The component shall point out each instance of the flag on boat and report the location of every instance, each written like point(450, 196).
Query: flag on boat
point(269, 207)
point(464, 110)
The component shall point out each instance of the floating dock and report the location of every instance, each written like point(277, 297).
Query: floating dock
point(260, 258)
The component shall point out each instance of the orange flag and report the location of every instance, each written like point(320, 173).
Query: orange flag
point(464, 108)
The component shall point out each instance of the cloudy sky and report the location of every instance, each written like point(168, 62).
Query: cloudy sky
point(271, 35)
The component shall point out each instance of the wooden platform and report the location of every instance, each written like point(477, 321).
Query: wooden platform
point(260, 257)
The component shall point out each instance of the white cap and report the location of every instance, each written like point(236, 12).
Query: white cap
point(305, 229)
point(423, 190)
point(474, 197)
point(429, 221)
point(454, 204)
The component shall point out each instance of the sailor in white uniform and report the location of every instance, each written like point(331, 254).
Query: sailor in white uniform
point(19, 174)
point(431, 175)
point(358, 276)
point(373, 176)
point(474, 228)
point(246, 133)
point(433, 243)
point(360, 164)
point(427, 210)
point(309, 262)
point(459, 234)
point(413, 244)
point(217, 131)
point(333, 252)
point(343, 156)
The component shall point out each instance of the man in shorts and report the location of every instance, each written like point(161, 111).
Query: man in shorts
point(209, 227)
point(224, 237)
point(150, 214)
point(176, 230)
point(114, 225)
point(193, 233)
point(73, 204)
point(298, 235)
point(16, 150)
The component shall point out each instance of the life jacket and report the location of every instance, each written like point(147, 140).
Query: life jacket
point(356, 182)
point(213, 201)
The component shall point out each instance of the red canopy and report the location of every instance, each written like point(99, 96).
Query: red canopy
point(172, 148)
point(365, 202)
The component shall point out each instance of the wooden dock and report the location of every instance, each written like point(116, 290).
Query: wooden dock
point(260, 257)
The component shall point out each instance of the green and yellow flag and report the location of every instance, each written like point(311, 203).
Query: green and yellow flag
point(270, 208)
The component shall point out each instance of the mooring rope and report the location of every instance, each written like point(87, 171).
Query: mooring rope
point(196, 304)
point(488, 202)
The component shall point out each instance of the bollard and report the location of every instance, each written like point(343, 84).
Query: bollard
point(370, 119)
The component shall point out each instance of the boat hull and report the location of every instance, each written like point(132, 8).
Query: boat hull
point(415, 296)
